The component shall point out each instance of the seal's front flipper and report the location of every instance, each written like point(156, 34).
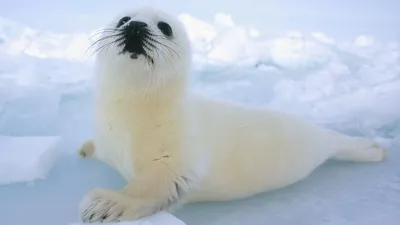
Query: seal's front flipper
point(87, 149)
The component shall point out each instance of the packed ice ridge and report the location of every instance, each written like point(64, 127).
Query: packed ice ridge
point(26, 159)
point(349, 85)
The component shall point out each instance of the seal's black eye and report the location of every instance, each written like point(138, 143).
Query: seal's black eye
point(165, 28)
point(123, 20)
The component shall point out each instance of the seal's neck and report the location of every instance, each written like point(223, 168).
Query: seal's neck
point(114, 91)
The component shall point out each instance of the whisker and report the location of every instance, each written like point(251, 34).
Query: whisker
point(98, 32)
point(167, 47)
point(109, 36)
point(152, 48)
point(105, 46)
point(100, 40)
point(162, 37)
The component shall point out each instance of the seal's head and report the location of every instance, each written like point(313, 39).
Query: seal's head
point(144, 45)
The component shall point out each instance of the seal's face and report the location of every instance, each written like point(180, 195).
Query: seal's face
point(137, 39)
point(145, 41)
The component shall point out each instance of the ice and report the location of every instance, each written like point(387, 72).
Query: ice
point(26, 159)
point(351, 85)
point(161, 218)
point(19, 38)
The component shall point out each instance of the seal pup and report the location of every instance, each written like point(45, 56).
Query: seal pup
point(173, 146)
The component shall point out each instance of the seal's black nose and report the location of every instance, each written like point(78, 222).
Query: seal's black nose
point(135, 32)
point(136, 28)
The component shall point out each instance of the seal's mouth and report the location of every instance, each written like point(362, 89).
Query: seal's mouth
point(134, 56)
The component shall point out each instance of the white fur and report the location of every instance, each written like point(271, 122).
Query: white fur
point(174, 146)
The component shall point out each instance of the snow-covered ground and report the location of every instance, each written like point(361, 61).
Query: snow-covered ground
point(352, 86)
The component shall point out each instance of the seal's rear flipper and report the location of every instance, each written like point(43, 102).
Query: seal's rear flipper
point(360, 150)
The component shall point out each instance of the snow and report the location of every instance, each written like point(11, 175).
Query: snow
point(161, 218)
point(26, 159)
point(351, 85)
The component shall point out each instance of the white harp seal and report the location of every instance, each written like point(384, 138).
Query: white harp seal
point(173, 146)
